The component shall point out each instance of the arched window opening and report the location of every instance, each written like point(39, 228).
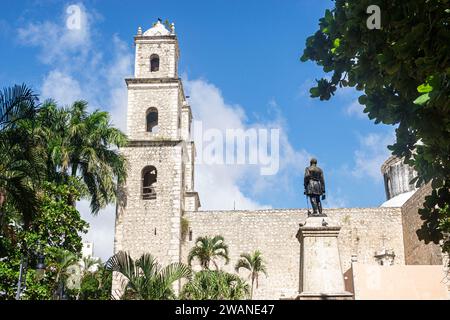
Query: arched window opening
point(154, 63)
point(149, 175)
point(152, 120)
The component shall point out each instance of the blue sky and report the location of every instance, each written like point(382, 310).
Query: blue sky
point(242, 55)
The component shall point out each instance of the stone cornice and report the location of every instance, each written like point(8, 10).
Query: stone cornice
point(304, 232)
point(151, 80)
point(152, 143)
point(138, 81)
point(168, 37)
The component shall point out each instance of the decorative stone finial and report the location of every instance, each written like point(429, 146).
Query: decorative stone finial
point(139, 32)
point(172, 28)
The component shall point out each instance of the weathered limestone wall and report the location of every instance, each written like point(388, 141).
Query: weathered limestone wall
point(273, 232)
point(167, 52)
point(151, 225)
point(416, 251)
point(166, 98)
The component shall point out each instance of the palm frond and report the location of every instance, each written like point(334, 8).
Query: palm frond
point(16, 103)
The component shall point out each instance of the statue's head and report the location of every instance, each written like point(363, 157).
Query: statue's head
point(313, 161)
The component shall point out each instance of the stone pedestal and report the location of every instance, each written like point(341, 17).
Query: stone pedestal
point(320, 267)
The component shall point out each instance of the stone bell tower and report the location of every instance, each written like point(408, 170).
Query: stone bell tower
point(160, 153)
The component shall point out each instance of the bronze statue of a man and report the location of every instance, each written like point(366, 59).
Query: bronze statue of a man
point(314, 186)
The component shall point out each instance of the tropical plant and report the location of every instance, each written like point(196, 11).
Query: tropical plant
point(145, 278)
point(81, 144)
point(88, 262)
point(20, 162)
point(50, 157)
point(56, 226)
point(17, 103)
point(63, 259)
point(207, 249)
point(404, 70)
point(254, 263)
point(215, 285)
point(95, 285)
point(57, 223)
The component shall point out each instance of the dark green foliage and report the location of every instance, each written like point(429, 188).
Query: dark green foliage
point(17, 103)
point(215, 285)
point(404, 71)
point(254, 263)
point(207, 249)
point(20, 161)
point(51, 157)
point(58, 224)
point(57, 227)
point(80, 144)
point(96, 285)
point(145, 278)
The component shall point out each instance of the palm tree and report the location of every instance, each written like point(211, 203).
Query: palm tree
point(254, 263)
point(84, 144)
point(145, 278)
point(207, 249)
point(20, 162)
point(63, 260)
point(88, 263)
point(215, 285)
point(16, 103)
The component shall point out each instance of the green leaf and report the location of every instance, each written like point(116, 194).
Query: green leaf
point(314, 92)
point(424, 88)
point(421, 100)
point(336, 43)
point(304, 58)
point(362, 99)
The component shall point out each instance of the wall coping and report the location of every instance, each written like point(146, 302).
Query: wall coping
point(295, 210)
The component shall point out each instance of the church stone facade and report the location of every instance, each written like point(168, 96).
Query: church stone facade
point(160, 192)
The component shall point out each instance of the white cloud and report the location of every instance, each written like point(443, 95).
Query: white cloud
point(101, 228)
point(79, 69)
point(371, 155)
point(58, 42)
point(336, 199)
point(356, 109)
point(292, 162)
point(61, 87)
point(220, 186)
point(120, 68)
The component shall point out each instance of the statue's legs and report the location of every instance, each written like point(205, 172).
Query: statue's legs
point(319, 204)
point(314, 198)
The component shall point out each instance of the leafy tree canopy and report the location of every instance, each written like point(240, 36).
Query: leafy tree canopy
point(57, 226)
point(403, 73)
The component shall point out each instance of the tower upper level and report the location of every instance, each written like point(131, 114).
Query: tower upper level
point(157, 52)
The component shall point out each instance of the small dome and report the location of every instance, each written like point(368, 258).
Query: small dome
point(157, 30)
